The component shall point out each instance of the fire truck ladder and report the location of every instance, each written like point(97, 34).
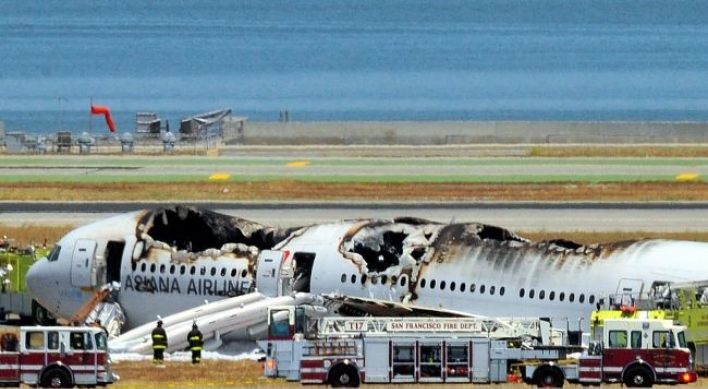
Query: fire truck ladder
point(483, 327)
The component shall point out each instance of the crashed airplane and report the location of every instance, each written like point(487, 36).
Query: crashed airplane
point(170, 260)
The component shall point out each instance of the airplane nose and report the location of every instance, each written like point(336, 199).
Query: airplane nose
point(36, 277)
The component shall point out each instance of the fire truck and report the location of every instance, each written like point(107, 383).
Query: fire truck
point(684, 303)
point(348, 351)
point(55, 357)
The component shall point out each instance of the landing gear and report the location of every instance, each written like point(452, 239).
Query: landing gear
point(41, 316)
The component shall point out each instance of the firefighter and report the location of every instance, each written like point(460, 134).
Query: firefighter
point(195, 343)
point(159, 344)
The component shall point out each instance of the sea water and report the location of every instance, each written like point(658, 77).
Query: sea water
point(351, 60)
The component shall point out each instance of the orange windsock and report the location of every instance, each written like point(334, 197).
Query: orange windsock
point(101, 110)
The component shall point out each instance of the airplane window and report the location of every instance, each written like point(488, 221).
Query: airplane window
point(481, 289)
point(213, 271)
point(233, 272)
point(463, 287)
point(384, 280)
point(491, 289)
point(522, 292)
point(404, 280)
point(133, 265)
point(244, 273)
point(473, 287)
point(54, 255)
point(173, 268)
point(182, 269)
point(561, 296)
point(374, 280)
point(552, 295)
point(432, 284)
point(452, 286)
point(422, 283)
point(223, 272)
point(394, 279)
point(363, 279)
point(192, 270)
point(152, 268)
point(571, 297)
point(442, 285)
point(592, 299)
point(202, 270)
point(143, 267)
point(344, 277)
point(501, 291)
point(532, 293)
point(542, 294)
point(162, 268)
point(353, 278)
point(582, 298)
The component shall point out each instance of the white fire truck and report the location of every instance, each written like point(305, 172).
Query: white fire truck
point(347, 351)
point(55, 357)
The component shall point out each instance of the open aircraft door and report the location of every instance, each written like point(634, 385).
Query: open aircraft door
point(82, 262)
point(268, 272)
point(630, 286)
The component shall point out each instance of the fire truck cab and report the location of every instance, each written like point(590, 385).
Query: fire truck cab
point(635, 352)
point(55, 357)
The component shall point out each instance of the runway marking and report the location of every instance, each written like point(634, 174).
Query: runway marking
point(687, 177)
point(298, 163)
point(219, 176)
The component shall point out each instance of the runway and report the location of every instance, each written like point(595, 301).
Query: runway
point(518, 216)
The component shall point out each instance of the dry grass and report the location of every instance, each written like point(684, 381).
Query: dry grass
point(210, 373)
point(666, 151)
point(34, 234)
point(322, 191)
point(245, 373)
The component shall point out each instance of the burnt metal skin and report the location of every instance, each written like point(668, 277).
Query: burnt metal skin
point(194, 229)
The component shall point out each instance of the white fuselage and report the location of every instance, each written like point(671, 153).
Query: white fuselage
point(485, 277)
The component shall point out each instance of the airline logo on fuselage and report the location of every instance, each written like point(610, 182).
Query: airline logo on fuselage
point(191, 286)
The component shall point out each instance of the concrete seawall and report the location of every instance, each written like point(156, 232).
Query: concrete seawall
point(457, 132)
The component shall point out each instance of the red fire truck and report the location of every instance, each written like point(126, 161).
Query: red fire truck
point(343, 351)
point(55, 357)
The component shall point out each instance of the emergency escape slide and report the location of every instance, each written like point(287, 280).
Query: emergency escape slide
point(247, 313)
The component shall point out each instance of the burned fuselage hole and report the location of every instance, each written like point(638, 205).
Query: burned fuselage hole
point(193, 230)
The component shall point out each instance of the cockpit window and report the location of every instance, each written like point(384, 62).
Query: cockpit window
point(54, 254)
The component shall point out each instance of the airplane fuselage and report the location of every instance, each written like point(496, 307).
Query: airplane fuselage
point(472, 268)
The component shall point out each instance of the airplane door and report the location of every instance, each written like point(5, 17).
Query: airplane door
point(82, 262)
point(268, 272)
point(630, 286)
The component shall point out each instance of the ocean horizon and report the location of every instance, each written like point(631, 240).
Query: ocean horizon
point(549, 60)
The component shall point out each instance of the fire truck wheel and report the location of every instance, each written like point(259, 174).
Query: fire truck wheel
point(56, 378)
point(549, 378)
point(638, 377)
point(342, 375)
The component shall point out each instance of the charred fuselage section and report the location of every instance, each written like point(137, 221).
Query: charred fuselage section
point(382, 251)
point(408, 247)
point(193, 229)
